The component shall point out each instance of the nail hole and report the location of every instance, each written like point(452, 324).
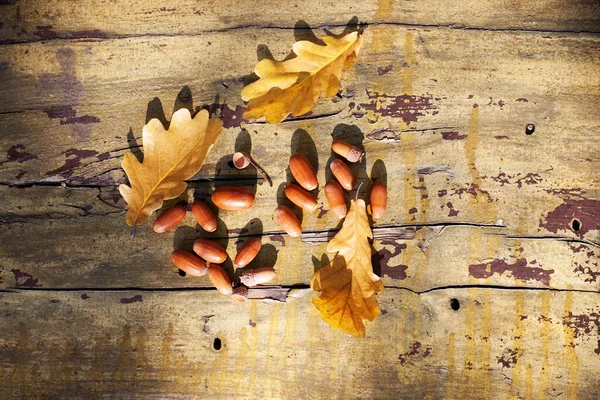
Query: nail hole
point(217, 344)
point(576, 225)
point(181, 272)
point(455, 304)
point(529, 129)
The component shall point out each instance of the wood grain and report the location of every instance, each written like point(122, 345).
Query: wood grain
point(498, 344)
point(489, 249)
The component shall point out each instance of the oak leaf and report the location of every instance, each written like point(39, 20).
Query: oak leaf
point(348, 285)
point(293, 86)
point(170, 157)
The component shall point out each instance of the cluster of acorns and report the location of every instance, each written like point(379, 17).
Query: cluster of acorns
point(300, 195)
point(208, 255)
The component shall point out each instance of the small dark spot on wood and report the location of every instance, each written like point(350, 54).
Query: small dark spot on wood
point(455, 304)
point(133, 299)
point(252, 323)
point(181, 272)
point(85, 296)
point(529, 129)
point(576, 225)
point(217, 344)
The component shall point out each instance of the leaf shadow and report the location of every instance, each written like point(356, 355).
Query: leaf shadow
point(227, 174)
point(322, 263)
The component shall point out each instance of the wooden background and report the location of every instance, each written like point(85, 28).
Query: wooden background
point(480, 214)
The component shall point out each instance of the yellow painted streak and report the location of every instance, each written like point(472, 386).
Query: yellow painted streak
point(450, 363)
point(570, 354)
point(290, 339)
point(546, 340)
point(518, 341)
point(381, 43)
point(407, 73)
point(470, 368)
point(166, 368)
point(485, 341)
point(241, 380)
point(528, 382)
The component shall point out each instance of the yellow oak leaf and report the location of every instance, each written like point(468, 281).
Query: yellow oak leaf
point(170, 157)
point(294, 86)
point(348, 285)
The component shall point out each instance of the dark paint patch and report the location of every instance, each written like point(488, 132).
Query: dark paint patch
point(472, 189)
point(509, 357)
point(84, 119)
point(381, 259)
point(103, 156)
point(584, 324)
point(278, 238)
point(85, 296)
point(54, 301)
point(522, 100)
point(518, 270)
point(384, 312)
point(73, 161)
point(501, 137)
point(232, 118)
point(416, 353)
point(413, 211)
point(451, 212)
point(590, 268)
point(60, 112)
point(587, 211)
point(453, 136)
point(23, 279)
point(322, 212)
point(274, 293)
point(45, 32)
point(567, 193)
point(133, 299)
point(408, 108)
point(65, 83)
point(528, 179)
point(252, 323)
point(18, 154)
point(384, 70)
point(442, 192)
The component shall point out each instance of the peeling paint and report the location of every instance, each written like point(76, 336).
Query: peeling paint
point(407, 107)
point(586, 211)
point(453, 136)
point(133, 299)
point(519, 270)
point(23, 279)
point(18, 154)
point(382, 258)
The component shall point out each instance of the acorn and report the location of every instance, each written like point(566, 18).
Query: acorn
point(303, 171)
point(349, 152)
point(335, 198)
point(300, 197)
point(378, 199)
point(247, 253)
point(210, 251)
point(169, 219)
point(204, 216)
point(253, 277)
point(189, 262)
point(219, 279)
point(288, 221)
point(342, 173)
point(233, 198)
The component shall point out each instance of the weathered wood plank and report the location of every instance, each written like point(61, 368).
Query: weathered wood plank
point(32, 20)
point(456, 152)
point(76, 240)
point(499, 344)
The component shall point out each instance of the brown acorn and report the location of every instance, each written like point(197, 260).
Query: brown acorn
point(253, 277)
point(247, 253)
point(233, 198)
point(300, 197)
point(342, 173)
point(188, 262)
point(335, 198)
point(303, 171)
point(378, 199)
point(220, 279)
point(204, 216)
point(288, 221)
point(210, 251)
point(169, 219)
point(349, 152)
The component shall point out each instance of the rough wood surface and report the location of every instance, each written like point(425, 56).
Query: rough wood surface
point(478, 210)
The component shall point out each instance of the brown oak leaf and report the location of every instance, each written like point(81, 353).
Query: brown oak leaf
point(348, 285)
point(293, 86)
point(170, 157)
